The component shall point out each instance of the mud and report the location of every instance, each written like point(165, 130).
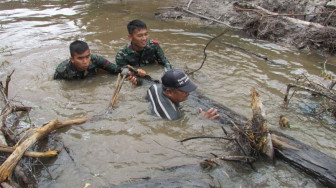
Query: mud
point(305, 24)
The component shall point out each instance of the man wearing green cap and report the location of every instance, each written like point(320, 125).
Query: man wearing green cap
point(175, 88)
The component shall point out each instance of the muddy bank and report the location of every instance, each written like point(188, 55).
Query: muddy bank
point(306, 24)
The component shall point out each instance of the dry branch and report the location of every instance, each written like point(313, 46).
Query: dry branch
point(8, 79)
point(7, 167)
point(49, 153)
point(264, 11)
point(246, 159)
point(251, 52)
point(213, 137)
point(326, 93)
point(205, 55)
point(116, 92)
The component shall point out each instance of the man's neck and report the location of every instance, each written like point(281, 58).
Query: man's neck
point(167, 95)
point(136, 48)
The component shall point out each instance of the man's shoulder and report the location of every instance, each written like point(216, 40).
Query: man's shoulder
point(63, 66)
point(155, 87)
point(124, 49)
point(153, 43)
point(95, 57)
point(63, 70)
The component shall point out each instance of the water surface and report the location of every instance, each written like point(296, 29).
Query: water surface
point(130, 143)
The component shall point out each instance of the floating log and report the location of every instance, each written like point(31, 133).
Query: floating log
point(305, 158)
point(295, 153)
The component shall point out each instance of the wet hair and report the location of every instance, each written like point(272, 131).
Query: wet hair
point(78, 47)
point(135, 24)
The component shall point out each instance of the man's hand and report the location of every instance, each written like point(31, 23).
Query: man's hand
point(132, 78)
point(210, 114)
point(141, 72)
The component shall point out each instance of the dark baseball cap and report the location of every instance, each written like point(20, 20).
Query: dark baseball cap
point(178, 79)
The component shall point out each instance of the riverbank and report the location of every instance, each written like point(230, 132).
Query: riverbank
point(306, 25)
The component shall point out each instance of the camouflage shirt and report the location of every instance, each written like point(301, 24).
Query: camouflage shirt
point(67, 70)
point(150, 54)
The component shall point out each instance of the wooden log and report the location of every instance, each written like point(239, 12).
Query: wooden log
point(305, 158)
point(230, 118)
point(7, 167)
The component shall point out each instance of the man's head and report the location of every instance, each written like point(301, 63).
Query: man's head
point(177, 85)
point(80, 55)
point(138, 34)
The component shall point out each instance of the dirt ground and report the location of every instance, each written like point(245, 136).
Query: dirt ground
point(305, 24)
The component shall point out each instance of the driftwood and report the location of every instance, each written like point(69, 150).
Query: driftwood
point(198, 15)
point(260, 133)
point(204, 17)
point(7, 110)
point(7, 167)
point(233, 158)
point(189, 3)
point(49, 153)
point(266, 13)
point(263, 57)
point(323, 92)
point(303, 157)
point(213, 137)
point(253, 138)
point(117, 90)
point(19, 150)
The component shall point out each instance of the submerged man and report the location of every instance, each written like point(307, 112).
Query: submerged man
point(140, 51)
point(82, 63)
point(175, 88)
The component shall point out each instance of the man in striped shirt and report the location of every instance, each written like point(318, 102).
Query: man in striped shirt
point(175, 88)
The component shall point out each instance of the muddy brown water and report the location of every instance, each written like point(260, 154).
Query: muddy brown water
point(130, 143)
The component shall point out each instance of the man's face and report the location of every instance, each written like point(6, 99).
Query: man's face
point(139, 39)
point(177, 95)
point(81, 61)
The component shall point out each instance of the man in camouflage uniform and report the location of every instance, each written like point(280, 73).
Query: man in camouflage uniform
point(140, 51)
point(82, 63)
